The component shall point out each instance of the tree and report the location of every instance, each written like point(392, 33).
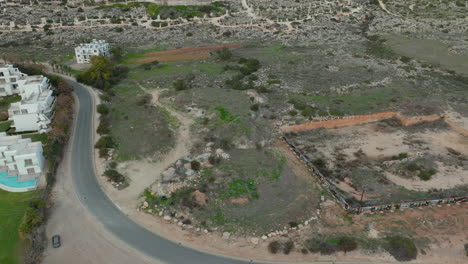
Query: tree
point(102, 109)
point(224, 54)
point(117, 53)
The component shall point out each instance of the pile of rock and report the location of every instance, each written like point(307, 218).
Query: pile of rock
point(186, 169)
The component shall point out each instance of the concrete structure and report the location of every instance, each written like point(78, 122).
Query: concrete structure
point(34, 111)
point(9, 77)
point(21, 163)
point(84, 52)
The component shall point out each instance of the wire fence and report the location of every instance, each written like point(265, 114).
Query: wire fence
point(367, 209)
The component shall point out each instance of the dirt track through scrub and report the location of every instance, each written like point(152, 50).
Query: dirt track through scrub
point(362, 119)
point(181, 54)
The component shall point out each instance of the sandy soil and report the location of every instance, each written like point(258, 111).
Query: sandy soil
point(377, 145)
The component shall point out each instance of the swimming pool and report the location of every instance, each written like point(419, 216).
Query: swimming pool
point(12, 183)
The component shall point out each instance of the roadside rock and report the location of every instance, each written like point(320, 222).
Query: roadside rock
point(168, 174)
point(254, 240)
point(226, 235)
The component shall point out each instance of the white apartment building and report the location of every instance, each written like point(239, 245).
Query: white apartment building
point(84, 52)
point(20, 157)
point(35, 110)
point(9, 79)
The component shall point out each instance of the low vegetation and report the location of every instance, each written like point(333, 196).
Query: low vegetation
point(13, 207)
point(103, 73)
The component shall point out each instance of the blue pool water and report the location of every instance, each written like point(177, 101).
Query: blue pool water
point(13, 183)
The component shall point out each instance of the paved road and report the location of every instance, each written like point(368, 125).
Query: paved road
point(104, 210)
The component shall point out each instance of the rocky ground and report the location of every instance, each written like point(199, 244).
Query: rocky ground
point(317, 59)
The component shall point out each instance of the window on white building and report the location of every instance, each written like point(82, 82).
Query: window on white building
point(28, 162)
point(1, 74)
point(16, 112)
point(24, 111)
point(2, 90)
point(13, 80)
point(31, 171)
point(2, 81)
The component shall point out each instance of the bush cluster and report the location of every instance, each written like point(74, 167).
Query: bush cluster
point(103, 73)
point(104, 144)
point(114, 175)
point(330, 246)
point(401, 248)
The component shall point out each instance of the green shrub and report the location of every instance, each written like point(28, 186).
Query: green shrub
point(274, 247)
point(254, 107)
point(288, 247)
point(319, 163)
point(413, 167)
point(405, 59)
point(180, 85)
point(102, 129)
point(102, 109)
point(32, 218)
point(324, 247)
point(103, 144)
point(426, 175)
point(313, 245)
point(224, 54)
point(262, 89)
point(106, 142)
point(114, 175)
point(401, 248)
point(347, 244)
point(195, 165)
point(292, 112)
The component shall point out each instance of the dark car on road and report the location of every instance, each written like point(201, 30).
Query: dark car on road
point(56, 241)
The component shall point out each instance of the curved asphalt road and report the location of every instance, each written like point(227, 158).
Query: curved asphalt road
point(96, 201)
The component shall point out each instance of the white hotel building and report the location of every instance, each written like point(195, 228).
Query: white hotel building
point(84, 52)
point(9, 80)
point(35, 110)
point(21, 163)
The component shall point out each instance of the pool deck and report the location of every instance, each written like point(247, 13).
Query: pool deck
point(18, 183)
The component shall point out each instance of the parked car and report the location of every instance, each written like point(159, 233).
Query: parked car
point(56, 243)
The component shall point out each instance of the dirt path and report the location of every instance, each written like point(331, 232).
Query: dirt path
point(143, 173)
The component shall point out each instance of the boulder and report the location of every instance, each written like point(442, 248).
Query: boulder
point(254, 240)
point(264, 237)
point(168, 174)
point(203, 157)
point(189, 172)
point(226, 235)
point(167, 218)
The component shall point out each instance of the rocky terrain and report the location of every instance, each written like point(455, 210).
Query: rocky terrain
point(219, 168)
